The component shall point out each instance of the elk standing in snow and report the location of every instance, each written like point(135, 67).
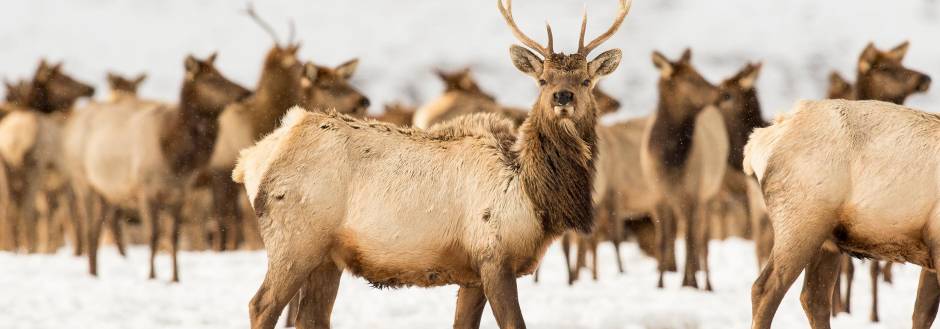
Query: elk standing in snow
point(328, 192)
point(29, 148)
point(881, 75)
point(684, 159)
point(144, 159)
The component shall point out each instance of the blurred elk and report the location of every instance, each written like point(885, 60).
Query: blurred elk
point(123, 86)
point(170, 144)
point(398, 114)
point(684, 160)
point(30, 145)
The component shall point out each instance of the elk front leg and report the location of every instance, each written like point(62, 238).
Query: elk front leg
point(566, 250)
point(175, 231)
point(499, 286)
point(148, 213)
point(95, 220)
point(821, 275)
point(692, 227)
point(928, 298)
point(470, 304)
point(117, 232)
point(875, 269)
point(319, 294)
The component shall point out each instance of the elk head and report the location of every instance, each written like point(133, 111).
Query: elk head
point(118, 83)
point(605, 103)
point(566, 82)
point(460, 80)
point(682, 90)
point(206, 90)
point(54, 90)
point(839, 87)
point(329, 88)
point(18, 93)
point(397, 113)
point(741, 110)
point(881, 76)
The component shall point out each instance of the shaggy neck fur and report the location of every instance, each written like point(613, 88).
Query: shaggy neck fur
point(188, 136)
point(40, 100)
point(747, 118)
point(672, 131)
point(556, 164)
point(278, 90)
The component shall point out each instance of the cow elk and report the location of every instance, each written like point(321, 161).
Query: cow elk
point(499, 188)
point(852, 176)
point(328, 89)
point(122, 86)
point(684, 159)
point(170, 145)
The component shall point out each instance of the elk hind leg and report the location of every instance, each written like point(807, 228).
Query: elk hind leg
point(319, 293)
point(821, 275)
point(928, 300)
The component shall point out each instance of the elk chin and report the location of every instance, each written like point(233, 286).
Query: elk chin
point(564, 111)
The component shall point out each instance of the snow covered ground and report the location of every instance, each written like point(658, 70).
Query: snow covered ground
point(54, 292)
point(399, 42)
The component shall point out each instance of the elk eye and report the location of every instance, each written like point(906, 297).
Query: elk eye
point(586, 83)
point(726, 97)
point(542, 82)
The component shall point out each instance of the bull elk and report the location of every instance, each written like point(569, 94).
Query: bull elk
point(499, 188)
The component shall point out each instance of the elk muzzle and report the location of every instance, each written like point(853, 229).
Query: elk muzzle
point(923, 83)
point(563, 102)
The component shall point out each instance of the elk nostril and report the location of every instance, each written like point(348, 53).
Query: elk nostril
point(563, 97)
point(364, 102)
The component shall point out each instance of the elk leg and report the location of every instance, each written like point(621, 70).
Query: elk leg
point(117, 232)
point(692, 224)
point(704, 238)
point(319, 294)
point(660, 227)
point(148, 213)
point(672, 230)
point(175, 231)
point(886, 272)
point(470, 304)
point(581, 257)
point(816, 296)
point(97, 218)
point(566, 250)
point(836, 298)
point(928, 298)
point(593, 244)
point(499, 286)
point(795, 245)
point(849, 267)
point(874, 269)
point(293, 307)
point(77, 218)
point(281, 282)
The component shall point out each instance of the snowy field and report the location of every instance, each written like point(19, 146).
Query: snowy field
point(55, 292)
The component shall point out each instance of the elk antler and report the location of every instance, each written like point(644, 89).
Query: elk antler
point(507, 15)
point(585, 50)
point(250, 11)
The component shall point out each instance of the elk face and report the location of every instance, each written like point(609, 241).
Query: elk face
point(881, 75)
point(18, 93)
point(127, 85)
point(58, 89)
point(839, 88)
point(211, 90)
point(681, 87)
point(329, 88)
point(736, 94)
point(605, 103)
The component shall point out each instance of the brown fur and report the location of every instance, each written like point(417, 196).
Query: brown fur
point(678, 159)
point(397, 114)
point(123, 85)
point(506, 202)
point(174, 143)
point(328, 89)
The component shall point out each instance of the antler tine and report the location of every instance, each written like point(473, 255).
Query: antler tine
point(250, 11)
point(507, 15)
point(621, 15)
point(291, 32)
point(551, 41)
point(583, 29)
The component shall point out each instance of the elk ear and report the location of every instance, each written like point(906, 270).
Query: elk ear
point(525, 61)
point(112, 77)
point(748, 76)
point(605, 63)
point(836, 79)
point(191, 64)
point(686, 56)
point(897, 53)
point(868, 57)
point(663, 64)
point(310, 71)
point(211, 59)
point(140, 78)
point(466, 81)
point(347, 69)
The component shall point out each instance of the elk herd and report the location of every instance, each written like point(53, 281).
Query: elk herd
point(465, 190)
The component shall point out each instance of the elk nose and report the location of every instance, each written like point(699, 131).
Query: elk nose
point(924, 83)
point(562, 98)
point(364, 102)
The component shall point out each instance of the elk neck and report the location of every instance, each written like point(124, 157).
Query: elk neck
point(747, 118)
point(279, 89)
point(555, 160)
point(866, 89)
point(188, 135)
point(672, 131)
